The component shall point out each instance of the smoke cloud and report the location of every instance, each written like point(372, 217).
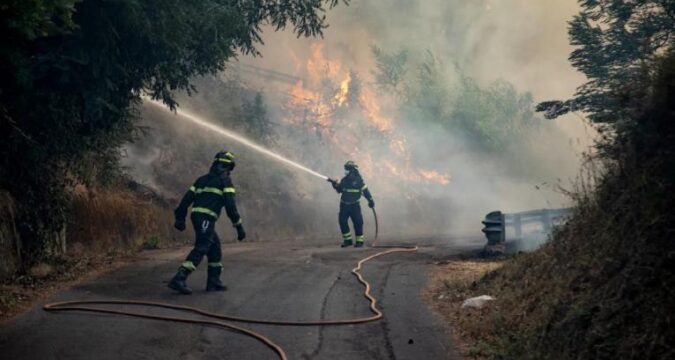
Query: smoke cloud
point(324, 108)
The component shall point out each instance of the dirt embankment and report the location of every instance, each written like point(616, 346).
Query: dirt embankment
point(602, 288)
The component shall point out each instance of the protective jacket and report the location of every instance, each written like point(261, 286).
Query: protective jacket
point(351, 187)
point(209, 194)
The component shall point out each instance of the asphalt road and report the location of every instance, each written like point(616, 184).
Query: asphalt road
point(294, 282)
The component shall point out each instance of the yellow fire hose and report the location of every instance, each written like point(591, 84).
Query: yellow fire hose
point(82, 305)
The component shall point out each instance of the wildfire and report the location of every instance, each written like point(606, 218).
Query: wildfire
point(372, 109)
point(302, 98)
point(435, 176)
point(318, 66)
point(329, 97)
point(341, 96)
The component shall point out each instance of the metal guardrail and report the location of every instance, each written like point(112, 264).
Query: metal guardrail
point(547, 217)
point(496, 222)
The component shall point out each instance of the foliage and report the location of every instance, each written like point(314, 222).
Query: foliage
point(390, 69)
point(495, 116)
point(27, 20)
point(618, 43)
point(430, 92)
point(71, 71)
point(491, 117)
point(602, 287)
point(151, 243)
point(256, 121)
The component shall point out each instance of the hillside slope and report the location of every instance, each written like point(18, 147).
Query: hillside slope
point(603, 287)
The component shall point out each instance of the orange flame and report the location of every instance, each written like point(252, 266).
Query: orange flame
point(372, 109)
point(435, 176)
point(341, 96)
point(327, 92)
point(318, 66)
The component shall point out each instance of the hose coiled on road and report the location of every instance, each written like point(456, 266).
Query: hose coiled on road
point(85, 305)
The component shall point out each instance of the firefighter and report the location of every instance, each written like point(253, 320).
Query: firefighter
point(209, 194)
point(351, 187)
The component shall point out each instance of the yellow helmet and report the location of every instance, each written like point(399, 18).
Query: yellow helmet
point(224, 159)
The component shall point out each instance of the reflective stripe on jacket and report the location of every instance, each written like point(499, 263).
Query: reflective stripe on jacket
point(351, 187)
point(209, 194)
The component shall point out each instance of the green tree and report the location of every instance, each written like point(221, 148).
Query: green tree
point(390, 69)
point(618, 43)
point(256, 121)
point(72, 71)
point(492, 117)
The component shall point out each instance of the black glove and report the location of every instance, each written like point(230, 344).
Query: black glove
point(333, 182)
point(179, 225)
point(371, 203)
point(241, 234)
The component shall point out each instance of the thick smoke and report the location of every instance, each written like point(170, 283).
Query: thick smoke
point(520, 41)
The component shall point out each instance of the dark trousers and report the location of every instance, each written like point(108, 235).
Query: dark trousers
point(352, 211)
point(207, 242)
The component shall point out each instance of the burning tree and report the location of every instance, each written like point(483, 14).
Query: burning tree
point(349, 116)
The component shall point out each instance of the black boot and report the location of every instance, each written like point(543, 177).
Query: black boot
point(178, 281)
point(213, 280)
point(346, 243)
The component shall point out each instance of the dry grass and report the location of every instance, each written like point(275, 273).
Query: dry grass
point(601, 289)
point(105, 229)
point(452, 282)
point(118, 220)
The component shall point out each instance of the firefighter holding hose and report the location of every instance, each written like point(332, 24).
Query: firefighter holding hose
point(209, 194)
point(352, 187)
